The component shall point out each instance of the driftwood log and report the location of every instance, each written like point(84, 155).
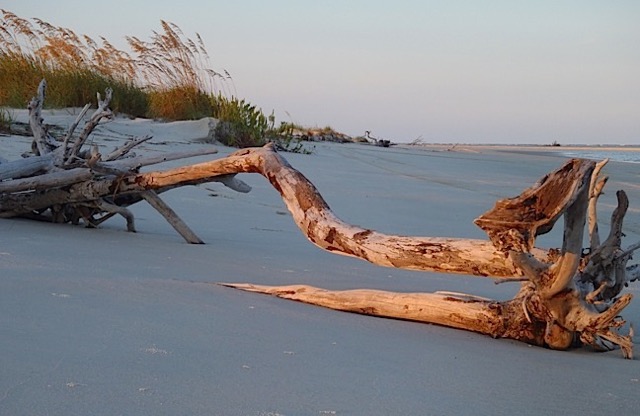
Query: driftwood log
point(568, 296)
point(59, 181)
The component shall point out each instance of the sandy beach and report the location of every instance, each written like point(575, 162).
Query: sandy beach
point(107, 322)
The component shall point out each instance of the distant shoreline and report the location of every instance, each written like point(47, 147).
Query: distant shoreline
point(624, 154)
point(531, 147)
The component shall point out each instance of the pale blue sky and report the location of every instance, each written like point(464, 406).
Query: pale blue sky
point(446, 71)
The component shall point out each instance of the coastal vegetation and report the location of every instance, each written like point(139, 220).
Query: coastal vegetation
point(168, 77)
point(5, 120)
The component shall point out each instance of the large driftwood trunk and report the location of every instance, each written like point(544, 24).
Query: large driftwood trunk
point(568, 296)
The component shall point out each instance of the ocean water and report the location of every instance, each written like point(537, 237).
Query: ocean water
point(628, 155)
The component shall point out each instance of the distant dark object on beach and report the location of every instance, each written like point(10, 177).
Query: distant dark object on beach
point(377, 142)
point(554, 144)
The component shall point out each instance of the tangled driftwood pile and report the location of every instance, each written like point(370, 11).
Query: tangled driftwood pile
point(568, 296)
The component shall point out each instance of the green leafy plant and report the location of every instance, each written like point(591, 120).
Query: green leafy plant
point(240, 124)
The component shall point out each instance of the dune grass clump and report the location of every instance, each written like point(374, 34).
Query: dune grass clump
point(176, 70)
point(75, 67)
point(6, 118)
point(179, 103)
point(167, 77)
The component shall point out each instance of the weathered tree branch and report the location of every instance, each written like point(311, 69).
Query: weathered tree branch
point(595, 190)
point(180, 226)
point(60, 179)
point(28, 167)
point(103, 112)
point(471, 314)
point(67, 137)
point(551, 309)
point(122, 151)
point(42, 141)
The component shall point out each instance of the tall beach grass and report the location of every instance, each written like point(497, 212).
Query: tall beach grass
point(6, 118)
point(167, 77)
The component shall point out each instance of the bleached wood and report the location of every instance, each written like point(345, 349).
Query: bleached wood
point(595, 190)
point(43, 143)
point(46, 181)
point(564, 269)
point(172, 218)
point(73, 126)
point(123, 150)
point(313, 216)
point(134, 163)
point(309, 211)
point(231, 182)
point(606, 268)
point(547, 311)
point(102, 112)
point(26, 167)
point(114, 209)
point(514, 223)
point(453, 310)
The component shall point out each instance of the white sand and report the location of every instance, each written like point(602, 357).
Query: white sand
point(106, 322)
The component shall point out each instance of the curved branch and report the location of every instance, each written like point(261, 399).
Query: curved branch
point(514, 223)
point(42, 143)
point(460, 311)
point(314, 217)
point(564, 269)
point(101, 112)
point(595, 190)
point(606, 268)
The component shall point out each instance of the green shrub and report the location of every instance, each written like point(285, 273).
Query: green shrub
point(240, 124)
